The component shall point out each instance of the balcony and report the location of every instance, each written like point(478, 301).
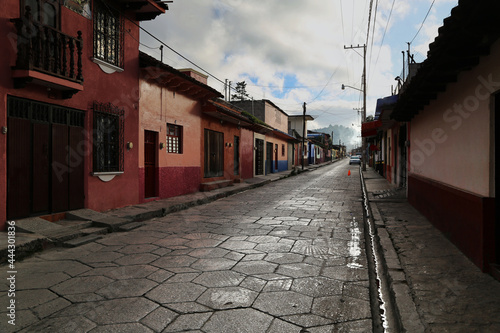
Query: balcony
point(47, 57)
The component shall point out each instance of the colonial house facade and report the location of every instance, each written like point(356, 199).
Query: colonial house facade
point(170, 133)
point(271, 146)
point(440, 130)
point(296, 127)
point(69, 105)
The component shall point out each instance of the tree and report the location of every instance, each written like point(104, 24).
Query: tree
point(241, 91)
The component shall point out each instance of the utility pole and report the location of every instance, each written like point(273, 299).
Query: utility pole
point(225, 91)
point(303, 134)
point(363, 118)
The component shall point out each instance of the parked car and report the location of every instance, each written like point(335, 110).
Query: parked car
point(354, 160)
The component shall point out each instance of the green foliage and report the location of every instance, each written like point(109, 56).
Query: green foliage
point(241, 91)
point(254, 119)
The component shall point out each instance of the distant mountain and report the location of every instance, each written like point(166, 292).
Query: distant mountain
point(345, 134)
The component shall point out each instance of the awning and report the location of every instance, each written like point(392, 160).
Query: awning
point(370, 128)
point(226, 112)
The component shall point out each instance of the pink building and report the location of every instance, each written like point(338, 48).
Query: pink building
point(450, 106)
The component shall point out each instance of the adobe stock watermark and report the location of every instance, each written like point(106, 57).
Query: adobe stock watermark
point(455, 116)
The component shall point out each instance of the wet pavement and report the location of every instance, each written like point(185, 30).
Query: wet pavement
point(285, 257)
point(289, 256)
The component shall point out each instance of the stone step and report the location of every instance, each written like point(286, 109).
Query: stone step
point(94, 231)
point(98, 219)
point(62, 235)
point(75, 224)
point(205, 187)
point(130, 226)
point(81, 240)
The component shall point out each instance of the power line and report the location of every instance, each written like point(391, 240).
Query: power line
point(373, 33)
point(161, 42)
point(432, 4)
point(385, 30)
point(342, 19)
point(331, 77)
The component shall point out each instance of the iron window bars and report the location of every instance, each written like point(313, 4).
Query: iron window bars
point(108, 137)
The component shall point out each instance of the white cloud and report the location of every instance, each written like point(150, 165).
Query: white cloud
point(268, 41)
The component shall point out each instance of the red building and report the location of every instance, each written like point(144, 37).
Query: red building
point(224, 143)
point(170, 135)
point(69, 105)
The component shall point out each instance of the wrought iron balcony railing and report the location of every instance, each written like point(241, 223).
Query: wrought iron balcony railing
point(47, 50)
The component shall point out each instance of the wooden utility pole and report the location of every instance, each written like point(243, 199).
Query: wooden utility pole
point(363, 117)
point(303, 133)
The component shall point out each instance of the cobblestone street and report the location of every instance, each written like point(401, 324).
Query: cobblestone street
point(286, 257)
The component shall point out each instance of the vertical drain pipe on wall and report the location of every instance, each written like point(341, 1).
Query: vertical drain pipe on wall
point(382, 304)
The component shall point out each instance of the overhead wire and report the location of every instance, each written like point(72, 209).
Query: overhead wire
point(161, 42)
point(385, 30)
point(425, 18)
point(373, 37)
point(198, 66)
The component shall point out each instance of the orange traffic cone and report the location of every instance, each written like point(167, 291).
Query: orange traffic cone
point(349, 173)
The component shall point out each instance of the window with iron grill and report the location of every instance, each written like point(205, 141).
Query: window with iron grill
point(108, 34)
point(174, 139)
point(108, 137)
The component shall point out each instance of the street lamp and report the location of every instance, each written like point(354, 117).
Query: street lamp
point(345, 85)
point(363, 141)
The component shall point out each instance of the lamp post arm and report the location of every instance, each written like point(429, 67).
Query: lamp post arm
point(345, 85)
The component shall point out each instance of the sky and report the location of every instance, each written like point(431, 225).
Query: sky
point(291, 51)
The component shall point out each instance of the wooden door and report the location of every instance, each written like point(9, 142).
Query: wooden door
point(18, 168)
point(269, 157)
point(259, 157)
point(60, 169)
point(150, 164)
point(76, 164)
point(45, 168)
point(214, 154)
point(236, 155)
point(276, 156)
point(41, 168)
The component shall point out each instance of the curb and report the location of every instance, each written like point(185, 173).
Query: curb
point(405, 314)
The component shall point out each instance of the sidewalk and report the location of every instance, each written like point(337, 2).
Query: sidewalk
point(121, 219)
point(435, 287)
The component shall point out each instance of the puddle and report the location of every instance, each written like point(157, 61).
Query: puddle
point(354, 245)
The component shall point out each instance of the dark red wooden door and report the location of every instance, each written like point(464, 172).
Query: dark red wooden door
point(45, 161)
point(18, 168)
point(41, 164)
point(150, 164)
point(60, 170)
point(76, 167)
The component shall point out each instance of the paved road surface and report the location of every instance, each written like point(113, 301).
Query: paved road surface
point(286, 257)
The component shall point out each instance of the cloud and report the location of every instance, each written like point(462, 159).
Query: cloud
point(268, 43)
